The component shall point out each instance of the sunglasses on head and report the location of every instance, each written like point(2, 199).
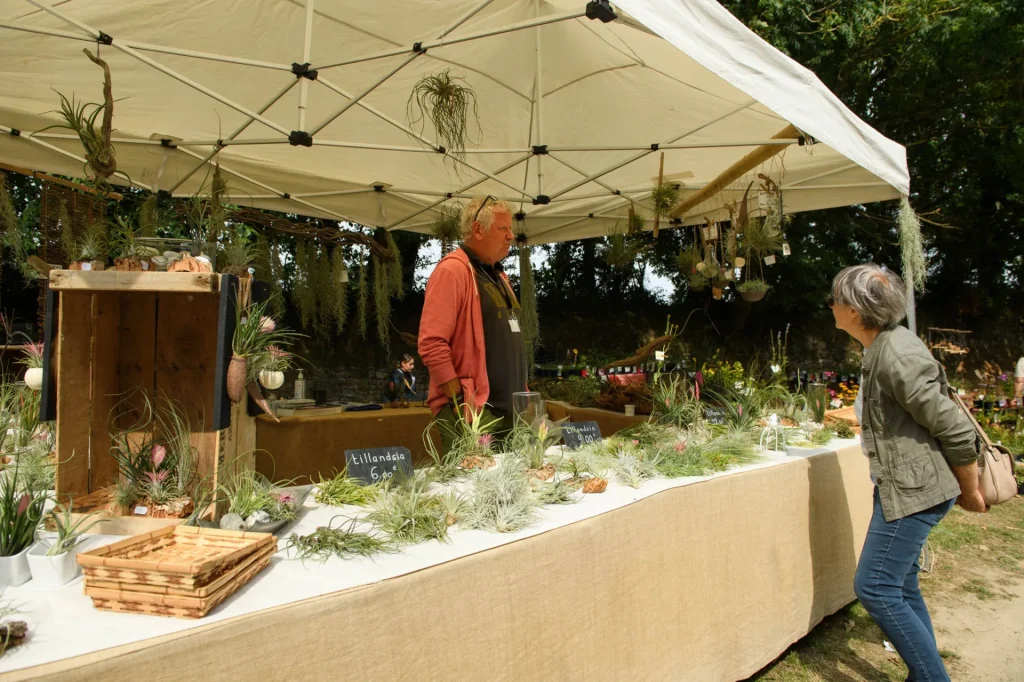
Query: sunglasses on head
point(477, 214)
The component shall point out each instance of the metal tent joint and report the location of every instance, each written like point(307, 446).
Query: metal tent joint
point(541, 200)
point(378, 188)
point(304, 71)
point(540, 149)
point(104, 39)
point(520, 216)
point(602, 10)
point(418, 48)
point(15, 132)
point(676, 222)
point(286, 195)
point(300, 137)
point(167, 142)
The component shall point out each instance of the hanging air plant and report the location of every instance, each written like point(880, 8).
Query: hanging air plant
point(218, 216)
point(664, 197)
point(636, 221)
point(753, 289)
point(11, 233)
point(80, 118)
point(238, 255)
point(303, 293)
point(363, 297)
point(621, 251)
point(449, 104)
point(687, 260)
point(915, 265)
point(396, 287)
point(339, 287)
point(382, 301)
point(529, 321)
point(447, 228)
point(697, 281)
point(149, 216)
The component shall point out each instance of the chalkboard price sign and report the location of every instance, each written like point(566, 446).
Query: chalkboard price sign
point(373, 465)
point(714, 415)
point(578, 434)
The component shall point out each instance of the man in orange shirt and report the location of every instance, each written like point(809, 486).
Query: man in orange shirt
point(470, 339)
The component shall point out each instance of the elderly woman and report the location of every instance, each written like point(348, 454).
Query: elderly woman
point(922, 453)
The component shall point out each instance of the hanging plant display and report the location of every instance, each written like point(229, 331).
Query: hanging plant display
point(80, 118)
point(447, 228)
point(529, 321)
point(363, 297)
point(339, 287)
point(129, 253)
point(449, 104)
point(237, 256)
point(753, 289)
point(621, 250)
point(396, 286)
point(636, 221)
point(382, 301)
point(90, 249)
point(664, 197)
point(915, 265)
point(303, 293)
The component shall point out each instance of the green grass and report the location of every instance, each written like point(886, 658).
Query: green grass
point(979, 587)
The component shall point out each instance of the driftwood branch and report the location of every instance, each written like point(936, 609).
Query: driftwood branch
point(267, 221)
point(644, 353)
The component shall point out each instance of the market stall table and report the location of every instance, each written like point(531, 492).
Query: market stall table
point(656, 583)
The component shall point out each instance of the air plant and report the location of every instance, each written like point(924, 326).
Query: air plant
point(664, 197)
point(502, 500)
point(633, 468)
point(343, 542)
point(753, 285)
point(674, 404)
point(250, 492)
point(92, 244)
point(408, 513)
point(132, 447)
point(844, 430)
point(238, 255)
point(124, 240)
point(696, 457)
point(449, 104)
point(821, 437)
point(471, 436)
point(531, 441)
point(687, 259)
point(21, 511)
point(621, 250)
point(557, 491)
point(529, 320)
point(585, 461)
point(915, 264)
point(32, 358)
point(447, 227)
point(341, 490)
point(12, 632)
point(636, 222)
point(124, 493)
point(817, 401)
point(363, 297)
point(69, 530)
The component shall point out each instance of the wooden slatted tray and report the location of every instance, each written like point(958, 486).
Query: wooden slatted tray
point(175, 606)
point(180, 556)
point(174, 591)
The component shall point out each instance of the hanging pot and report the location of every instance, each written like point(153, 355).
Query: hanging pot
point(14, 569)
point(752, 296)
point(271, 379)
point(34, 378)
point(236, 378)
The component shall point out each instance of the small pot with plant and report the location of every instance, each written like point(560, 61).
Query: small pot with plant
point(255, 334)
point(131, 255)
point(271, 366)
point(531, 442)
point(90, 248)
point(22, 506)
point(753, 290)
point(53, 562)
point(33, 362)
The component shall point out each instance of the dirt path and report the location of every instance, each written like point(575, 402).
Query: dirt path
point(986, 634)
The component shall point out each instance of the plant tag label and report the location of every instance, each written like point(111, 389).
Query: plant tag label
point(711, 232)
point(714, 415)
point(769, 260)
point(145, 265)
point(763, 200)
point(659, 355)
point(729, 274)
point(785, 249)
point(344, 276)
point(373, 465)
point(513, 324)
point(86, 266)
point(141, 511)
point(578, 434)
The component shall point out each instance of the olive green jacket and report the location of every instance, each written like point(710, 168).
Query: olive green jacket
point(911, 429)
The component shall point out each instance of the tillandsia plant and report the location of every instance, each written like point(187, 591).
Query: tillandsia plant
point(181, 457)
point(753, 286)
point(343, 541)
point(915, 264)
point(449, 104)
point(821, 437)
point(124, 240)
point(255, 334)
point(132, 447)
point(664, 197)
point(674, 403)
point(12, 632)
point(472, 442)
point(531, 441)
point(692, 455)
point(558, 491)
point(32, 357)
point(447, 227)
point(341, 490)
point(21, 511)
point(633, 467)
point(70, 531)
point(250, 492)
point(817, 402)
point(408, 513)
point(238, 255)
point(92, 244)
point(502, 500)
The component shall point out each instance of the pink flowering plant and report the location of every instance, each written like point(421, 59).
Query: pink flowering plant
point(255, 335)
point(33, 356)
point(22, 505)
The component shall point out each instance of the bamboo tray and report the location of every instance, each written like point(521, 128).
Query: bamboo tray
point(178, 556)
point(174, 591)
point(175, 606)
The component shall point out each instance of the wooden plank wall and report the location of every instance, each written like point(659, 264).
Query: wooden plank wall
point(74, 360)
point(106, 389)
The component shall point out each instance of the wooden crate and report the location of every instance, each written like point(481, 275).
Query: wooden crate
point(168, 334)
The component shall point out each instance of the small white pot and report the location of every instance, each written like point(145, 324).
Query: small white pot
point(271, 379)
point(14, 570)
point(52, 571)
point(34, 378)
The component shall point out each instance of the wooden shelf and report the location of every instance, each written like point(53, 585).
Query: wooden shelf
point(115, 280)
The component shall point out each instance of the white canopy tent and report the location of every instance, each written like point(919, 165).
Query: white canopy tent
point(576, 100)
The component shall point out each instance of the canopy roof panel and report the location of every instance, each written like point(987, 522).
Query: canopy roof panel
point(198, 82)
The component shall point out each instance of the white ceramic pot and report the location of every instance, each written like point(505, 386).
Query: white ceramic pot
point(34, 378)
point(14, 570)
point(52, 571)
point(271, 379)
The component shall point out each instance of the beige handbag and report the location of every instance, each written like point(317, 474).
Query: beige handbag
point(995, 463)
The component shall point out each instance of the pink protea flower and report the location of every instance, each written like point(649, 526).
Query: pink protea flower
point(23, 503)
point(267, 325)
point(159, 454)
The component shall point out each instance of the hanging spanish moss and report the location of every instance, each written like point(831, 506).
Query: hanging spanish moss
point(303, 293)
point(148, 216)
point(218, 216)
point(363, 296)
point(323, 287)
point(12, 233)
point(339, 287)
point(395, 283)
point(915, 264)
point(275, 274)
point(382, 301)
point(529, 321)
point(448, 104)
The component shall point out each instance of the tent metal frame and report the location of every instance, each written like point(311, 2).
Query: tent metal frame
point(305, 73)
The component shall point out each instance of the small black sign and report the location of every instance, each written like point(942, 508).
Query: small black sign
point(578, 434)
point(714, 415)
point(373, 465)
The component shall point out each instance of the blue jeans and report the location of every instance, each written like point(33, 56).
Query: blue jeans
point(887, 586)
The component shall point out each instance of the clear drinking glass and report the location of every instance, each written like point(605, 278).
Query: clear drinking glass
point(527, 406)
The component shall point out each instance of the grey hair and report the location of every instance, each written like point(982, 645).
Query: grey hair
point(486, 217)
point(878, 295)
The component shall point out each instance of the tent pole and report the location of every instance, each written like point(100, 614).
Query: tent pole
point(413, 150)
point(238, 131)
point(63, 152)
point(734, 172)
point(443, 42)
point(307, 45)
point(355, 100)
point(45, 31)
point(209, 56)
point(792, 185)
point(538, 99)
point(465, 17)
point(700, 145)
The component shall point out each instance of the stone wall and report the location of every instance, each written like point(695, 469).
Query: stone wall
point(351, 383)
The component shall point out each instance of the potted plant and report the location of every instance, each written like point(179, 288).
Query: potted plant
point(52, 562)
point(21, 511)
point(132, 254)
point(90, 248)
point(270, 367)
point(753, 290)
point(255, 333)
point(33, 361)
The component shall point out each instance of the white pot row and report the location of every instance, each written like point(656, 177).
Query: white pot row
point(33, 564)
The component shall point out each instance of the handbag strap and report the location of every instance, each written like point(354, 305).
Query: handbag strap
point(963, 408)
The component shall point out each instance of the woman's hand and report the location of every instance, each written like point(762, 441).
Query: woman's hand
point(972, 501)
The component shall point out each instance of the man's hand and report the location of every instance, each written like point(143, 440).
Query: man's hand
point(972, 501)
